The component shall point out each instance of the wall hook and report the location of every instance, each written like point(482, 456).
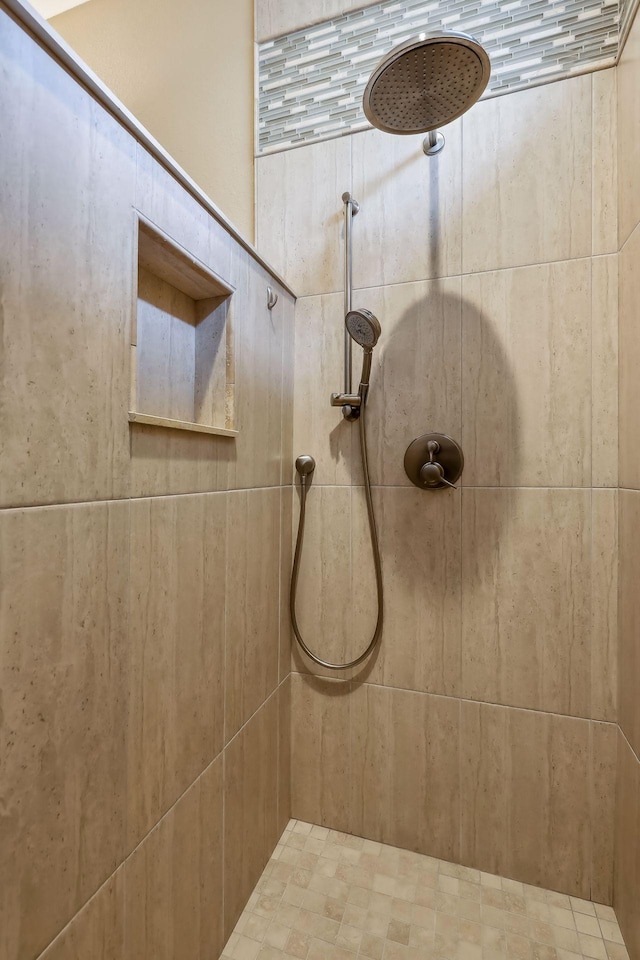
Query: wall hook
point(272, 298)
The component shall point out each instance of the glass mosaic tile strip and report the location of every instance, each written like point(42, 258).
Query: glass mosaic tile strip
point(311, 81)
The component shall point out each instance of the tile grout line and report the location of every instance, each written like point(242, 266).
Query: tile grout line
point(445, 696)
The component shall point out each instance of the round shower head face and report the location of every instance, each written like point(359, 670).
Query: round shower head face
point(363, 327)
point(427, 82)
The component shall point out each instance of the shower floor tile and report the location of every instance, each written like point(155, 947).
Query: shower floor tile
point(326, 895)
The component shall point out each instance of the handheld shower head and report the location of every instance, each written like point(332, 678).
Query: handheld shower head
point(364, 328)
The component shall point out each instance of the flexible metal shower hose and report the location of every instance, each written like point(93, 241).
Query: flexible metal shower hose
point(376, 560)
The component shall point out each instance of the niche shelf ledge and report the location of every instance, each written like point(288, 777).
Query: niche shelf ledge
point(146, 418)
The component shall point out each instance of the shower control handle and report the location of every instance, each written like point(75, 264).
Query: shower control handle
point(433, 462)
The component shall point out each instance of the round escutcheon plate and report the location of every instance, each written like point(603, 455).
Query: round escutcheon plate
point(449, 455)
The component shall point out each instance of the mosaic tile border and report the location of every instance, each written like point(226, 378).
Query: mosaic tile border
point(311, 81)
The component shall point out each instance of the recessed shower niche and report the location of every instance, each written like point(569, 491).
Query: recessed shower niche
point(181, 342)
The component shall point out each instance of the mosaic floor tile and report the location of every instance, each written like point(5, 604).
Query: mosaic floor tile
point(326, 895)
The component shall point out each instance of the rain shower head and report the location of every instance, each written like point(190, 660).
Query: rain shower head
point(363, 327)
point(426, 82)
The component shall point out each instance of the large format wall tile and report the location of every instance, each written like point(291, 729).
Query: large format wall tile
point(549, 817)
point(288, 386)
point(415, 381)
point(627, 880)
point(320, 751)
point(629, 326)
point(63, 670)
point(526, 349)
point(178, 551)
point(255, 454)
point(173, 880)
point(165, 462)
point(604, 122)
point(629, 643)
point(66, 259)
point(275, 17)
point(318, 428)
point(97, 931)
point(604, 369)
point(604, 605)
point(526, 170)
point(405, 769)
point(420, 543)
point(284, 754)
point(164, 201)
point(253, 603)
point(286, 563)
point(251, 808)
point(300, 228)
point(408, 227)
point(526, 788)
point(526, 571)
point(604, 750)
point(629, 135)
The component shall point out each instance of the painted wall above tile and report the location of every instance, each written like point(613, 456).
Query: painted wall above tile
point(311, 81)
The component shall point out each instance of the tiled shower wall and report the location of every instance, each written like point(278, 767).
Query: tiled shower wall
point(627, 901)
point(484, 731)
point(144, 692)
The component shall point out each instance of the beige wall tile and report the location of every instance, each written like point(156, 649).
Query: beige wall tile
point(629, 329)
point(320, 758)
point(604, 604)
point(178, 551)
point(526, 170)
point(165, 462)
point(604, 738)
point(253, 603)
point(409, 224)
point(275, 17)
point(420, 541)
point(484, 776)
point(288, 385)
point(174, 879)
point(255, 454)
point(605, 161)
point(161, 199)
point(626, 903)
point(405, 769)
point(251, 808)
point(537, 797)
point(549, 817)
point(286, 562)
point(526, 339)
point(525, 552)
point(629, 643)
point(604, 371)
point(284, 755)
point(66, 251)
point(63, 669)
point(300, 231)
point(415, 382)
point(318, 428)
point(97, 931)
point(628, 76)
